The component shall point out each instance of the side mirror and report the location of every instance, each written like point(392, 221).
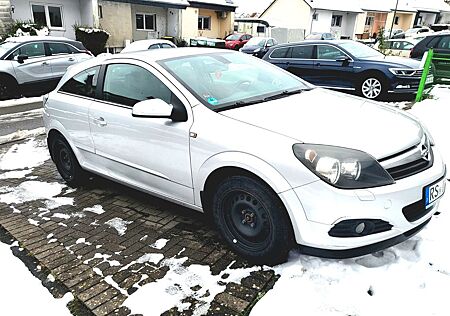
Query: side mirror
point(21, 58)
point(343, 59)
point(153, 108)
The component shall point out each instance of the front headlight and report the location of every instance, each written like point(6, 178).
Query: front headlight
point(405, 72)
point(342, 167)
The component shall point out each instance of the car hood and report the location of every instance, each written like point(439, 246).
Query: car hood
point(250, 48)
point(320, 116)
point(397, 61)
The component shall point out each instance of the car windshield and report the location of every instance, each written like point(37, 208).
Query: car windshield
point(6, 46)
point(228, 80)
point(257, 41)
point(359, 50)
point(233, 37)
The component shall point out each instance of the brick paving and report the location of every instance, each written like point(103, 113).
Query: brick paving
point(67, 243)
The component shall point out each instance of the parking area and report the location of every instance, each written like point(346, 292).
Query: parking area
point(113, 247)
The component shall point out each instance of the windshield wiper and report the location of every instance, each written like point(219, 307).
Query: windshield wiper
point(286, 93)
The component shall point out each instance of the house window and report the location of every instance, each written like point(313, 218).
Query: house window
point(315, 16)
point(396, 20)
point(47, 15)
point(369, 20)
point(146, 22)
point(336, 20)
point(204, 22)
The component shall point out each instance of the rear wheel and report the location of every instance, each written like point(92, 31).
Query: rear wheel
point(373, 87)
point(252, 220)
point(8, 88)
point(66, 162)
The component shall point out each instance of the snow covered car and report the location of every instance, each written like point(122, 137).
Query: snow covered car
point(274, 160)
point(148, 44)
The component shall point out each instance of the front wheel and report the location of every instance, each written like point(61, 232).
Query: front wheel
point(373, 87)
point(252, 219)
point(8, 88)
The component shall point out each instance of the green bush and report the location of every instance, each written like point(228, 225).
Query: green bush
point(93, 39)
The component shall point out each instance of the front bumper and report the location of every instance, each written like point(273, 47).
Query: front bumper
point(325, 206)
point(404, 85)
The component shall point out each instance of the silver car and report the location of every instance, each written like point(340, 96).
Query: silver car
point(35, 64)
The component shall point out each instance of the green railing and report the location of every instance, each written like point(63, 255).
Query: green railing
point(436, 69)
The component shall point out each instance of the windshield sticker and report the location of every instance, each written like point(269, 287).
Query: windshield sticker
point(213, 101)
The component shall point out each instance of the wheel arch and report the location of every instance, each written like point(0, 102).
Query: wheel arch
point(9, 76)
point(225, 165)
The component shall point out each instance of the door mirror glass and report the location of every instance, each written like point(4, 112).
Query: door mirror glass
point(153, 108)
point(22, 58)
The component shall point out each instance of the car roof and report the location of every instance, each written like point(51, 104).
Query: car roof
point(313, 41)
point(23, 39)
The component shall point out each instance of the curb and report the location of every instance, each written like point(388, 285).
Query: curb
point(20, 107)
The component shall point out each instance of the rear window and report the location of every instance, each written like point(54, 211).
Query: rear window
point(83, 84)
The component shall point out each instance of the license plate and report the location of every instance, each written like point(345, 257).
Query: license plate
point(434, 192)
point(430, 79)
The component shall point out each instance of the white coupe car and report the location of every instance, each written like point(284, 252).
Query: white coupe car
point(275, 161)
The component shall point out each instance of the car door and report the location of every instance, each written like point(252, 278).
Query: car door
point(300, 62)
point(330, 68)
point(36, 67)
point(148, 153)
point(62, 57)
point(442, 47)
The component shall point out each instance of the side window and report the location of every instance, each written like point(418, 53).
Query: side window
point(83, 84)
point(328, 52)
point(434, 42)
point(58, 48)
point(444, 43)
point(129, 84)
point(396, 45)
point(407, 46)
point(279, 52)
point(31, 50)
point(154, 46)
point(302, 52)
point(270, 43)
point(164, 45)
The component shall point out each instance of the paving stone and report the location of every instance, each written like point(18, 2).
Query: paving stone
point(93, 291)
point(101, 298)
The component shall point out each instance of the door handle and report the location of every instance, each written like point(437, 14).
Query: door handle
point(45, 63)
point(317, 64)
point(100, 121)
point(71, 59)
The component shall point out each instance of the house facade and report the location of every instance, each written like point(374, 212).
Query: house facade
point(372, 20)
point(129, 20)
point(338, 17)
point(5, 15)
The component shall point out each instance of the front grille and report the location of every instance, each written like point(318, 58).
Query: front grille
point(411, 161)
point(410, 168)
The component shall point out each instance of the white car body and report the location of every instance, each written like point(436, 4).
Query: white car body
point(176, 161)
point(148, 44)
point(398, 47)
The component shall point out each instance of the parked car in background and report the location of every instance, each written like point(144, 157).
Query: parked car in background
point(439, 42)
point(237, 41)
point(258, 46)
point(34, 64)
point(348, 65)
point(242, 145)
point(388, 34)
point(320, 36)
point(148, 44)
point(413, 32)
point(397, 47)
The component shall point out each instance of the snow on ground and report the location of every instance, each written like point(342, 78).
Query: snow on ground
point(96, 209)
point(179, 283)
point(412, 278)
point(21, 134)
point(118, 224)
point(23, 294)
point(159, 244)
point(24, 156)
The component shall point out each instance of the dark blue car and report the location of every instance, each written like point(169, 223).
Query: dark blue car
point(348, 65)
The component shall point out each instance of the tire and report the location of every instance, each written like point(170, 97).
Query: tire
point(373, 87)
point(67, 163)
point(252, 220)
point(9, 88)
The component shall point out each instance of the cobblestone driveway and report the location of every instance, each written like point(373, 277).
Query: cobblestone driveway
point(112, 241)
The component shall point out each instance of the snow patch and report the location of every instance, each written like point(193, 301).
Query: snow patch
point(118, 224)
point(33, 190)
point(97, 209)
point(28, 155)
point(159, 244)
point(21, 134)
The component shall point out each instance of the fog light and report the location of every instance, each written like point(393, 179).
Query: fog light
point(360, 228)
point(400, 86)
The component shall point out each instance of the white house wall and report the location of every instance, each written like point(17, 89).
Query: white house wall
point(70, 14)
point(289, 14)
point(323, 22)
point(161, 22)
